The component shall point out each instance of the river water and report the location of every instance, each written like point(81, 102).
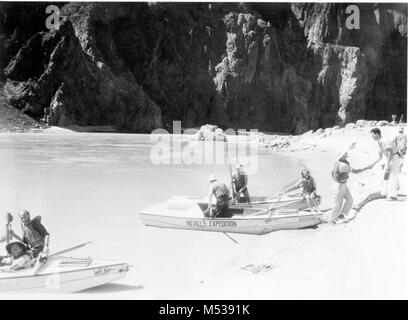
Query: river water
point(91, 186)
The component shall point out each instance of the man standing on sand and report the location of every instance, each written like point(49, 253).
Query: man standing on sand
point(340, 175)
point(222, 194)
point(400, 143)
point(387, 152)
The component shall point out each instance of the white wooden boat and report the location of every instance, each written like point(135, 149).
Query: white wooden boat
point(187, 213)
point(63, 274)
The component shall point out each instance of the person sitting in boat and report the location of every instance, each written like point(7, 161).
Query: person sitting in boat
point(222, 194)
point(240, 184)
point(308, 185)
point(17, 259)
point(35, 236)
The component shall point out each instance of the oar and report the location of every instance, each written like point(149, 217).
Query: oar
point(276, 196)
point(231, 237)
point(70, 248)
point(8, 236)
point(234, 195)
point(39, 263)
point(283, 188)
point(282, 205)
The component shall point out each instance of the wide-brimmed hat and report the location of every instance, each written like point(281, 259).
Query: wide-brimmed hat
point(24, 212)
point(8, 246)
point(212, 178)
point(341, 153)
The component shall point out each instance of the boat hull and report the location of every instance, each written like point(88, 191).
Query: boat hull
point(245, 225)
point(61, 280)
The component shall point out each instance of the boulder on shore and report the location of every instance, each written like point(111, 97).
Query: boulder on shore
point(210, 132)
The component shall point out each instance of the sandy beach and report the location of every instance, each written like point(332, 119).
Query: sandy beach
point(364, 259)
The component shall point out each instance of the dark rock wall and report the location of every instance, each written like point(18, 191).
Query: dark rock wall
point(138, 66)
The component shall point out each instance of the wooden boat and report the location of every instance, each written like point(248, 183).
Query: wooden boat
point(63, 274)
point(187, 213)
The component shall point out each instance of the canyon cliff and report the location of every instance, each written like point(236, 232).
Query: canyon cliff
point(139, 66)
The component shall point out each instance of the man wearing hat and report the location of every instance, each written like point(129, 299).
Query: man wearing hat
point(342, 193)
point(222, 194)
point(18, 256)
point(240, 182)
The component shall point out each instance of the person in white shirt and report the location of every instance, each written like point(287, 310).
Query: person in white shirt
point(388, 153)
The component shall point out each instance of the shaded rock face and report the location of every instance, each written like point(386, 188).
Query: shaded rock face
point(139, 66)
point(52, 76)
point(258, 89)
point(342, 84)
point(369, 65)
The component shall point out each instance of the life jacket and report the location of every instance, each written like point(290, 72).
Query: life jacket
point(400, 143)
point(307, 185)
point(240, 180)
point(220, 189)
point(32, 236)
point(387, 145)
point(340, 177)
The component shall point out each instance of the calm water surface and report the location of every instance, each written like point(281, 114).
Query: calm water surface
point(91, 186)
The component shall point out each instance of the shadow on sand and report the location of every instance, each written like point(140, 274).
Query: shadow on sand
point(112, 288)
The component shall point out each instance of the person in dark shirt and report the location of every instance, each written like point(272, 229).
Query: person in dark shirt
point(240, 184)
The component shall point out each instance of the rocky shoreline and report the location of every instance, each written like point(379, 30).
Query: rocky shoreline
point(13, 120)
point(309, 140)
